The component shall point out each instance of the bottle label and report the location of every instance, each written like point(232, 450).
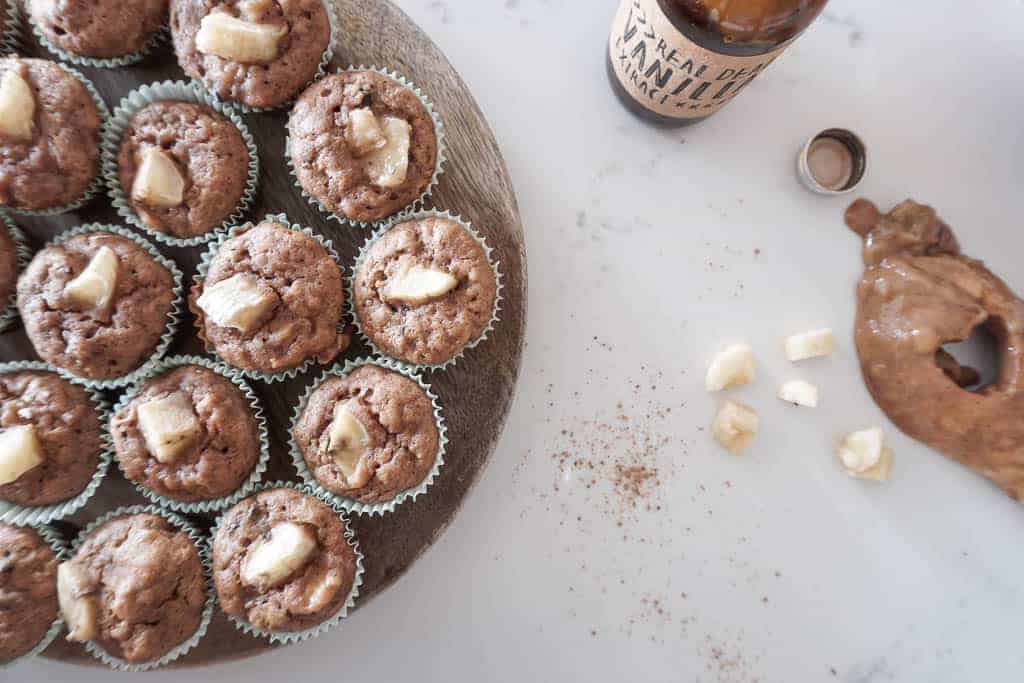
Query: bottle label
point(669, 74)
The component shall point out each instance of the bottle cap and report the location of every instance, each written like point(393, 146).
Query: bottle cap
point(832, 162)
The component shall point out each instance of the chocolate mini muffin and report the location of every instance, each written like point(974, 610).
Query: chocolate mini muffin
point(50, 438)
point(135, 587)
point(8, 265)
point(96, 304)
point(282, 561)
point(271, 300)
point(28, 590)
point(183, 167)
point(100, 29)
point(424, 290)
point(362, 144)
point(49, 135)
point(188, 434)
point(257, 52)
point(368, 435)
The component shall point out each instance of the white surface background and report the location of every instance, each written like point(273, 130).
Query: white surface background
point(645, 239)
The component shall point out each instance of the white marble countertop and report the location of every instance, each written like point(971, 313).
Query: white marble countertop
point(647, 251)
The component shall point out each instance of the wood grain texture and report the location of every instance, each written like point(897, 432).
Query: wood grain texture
point(476, 393)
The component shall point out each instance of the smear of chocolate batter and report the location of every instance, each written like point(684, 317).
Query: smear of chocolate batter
point(917, 294)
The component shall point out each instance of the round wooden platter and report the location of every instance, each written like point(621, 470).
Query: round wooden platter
point(476, 393)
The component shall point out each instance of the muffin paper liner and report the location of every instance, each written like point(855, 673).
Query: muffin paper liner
point(287, 637)
point(236, 378)
point(113, 132)
point(348, 503)
point(101, 63)
point(172, 317)
point(325, 59)
point(488, 252)
point(56, 543)
point(10, 39)
point(24, 255)
point(43, 514)
point(202, 546)
point(438, 167)
point(204, 267)
point(97, 183)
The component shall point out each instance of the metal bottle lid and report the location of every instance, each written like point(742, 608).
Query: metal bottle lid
point(832, 162)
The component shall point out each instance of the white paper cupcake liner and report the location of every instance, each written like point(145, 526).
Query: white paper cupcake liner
point(56, 543)
point(10, 39)
point(204, 266)
point(97, 62)
point(24, 255)
point(350, 504)
point(203, 548)
point(321, 69)
point(488, 252)
point(22, 515)
point(236, 378)
point(438, 166)
point(172, 317)
point(97, 183)
point(113, 132)
point(287, 637)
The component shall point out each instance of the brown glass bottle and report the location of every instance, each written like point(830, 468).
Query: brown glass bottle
point(677, 62)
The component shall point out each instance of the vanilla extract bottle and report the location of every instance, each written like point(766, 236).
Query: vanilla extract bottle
point(677, 62)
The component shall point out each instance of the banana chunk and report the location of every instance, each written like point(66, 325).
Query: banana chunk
point(864, 454)
point(273, 558)
point(95, 285)
point(158, 182)
point(735, 426)
point(347, 440)
point(238, 40)
point(800, 393)
point(388, 165)
point(417, 285)
point(363, 133)
point(77, 601)
point(169, 426)
point(19, 452)
point(17, 107)
point(237, 302)
point(731, 367)
point(810, 344)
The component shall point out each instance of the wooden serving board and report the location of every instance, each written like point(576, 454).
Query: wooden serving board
point(475, 394)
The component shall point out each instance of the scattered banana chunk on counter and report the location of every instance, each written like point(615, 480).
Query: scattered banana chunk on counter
point(731, 367)
point(799, 393)
point(810, 344)
point(17, 107)
point(864, 454)
point(169, 426)
point(417, 285)
point(19, 452)
point(237, 302)
point(272, 559)
point(77, 601)
point(735, 426)
point(388, 165)
point(95, 285)
point(237, 39)
point(158, 182)
point(347, 440)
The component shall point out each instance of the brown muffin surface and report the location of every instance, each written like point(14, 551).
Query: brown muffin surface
point(148, 580)
point(311, 594)
point(303, 323)
point(98, 28)
point(328, 169)
point(68, 427)
point(93, 342)
point(209, 152)
point(56, 166)
point(434, 331)
point(257, 84)
point(215, 464)
point(28, 590)
point(398, 417)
